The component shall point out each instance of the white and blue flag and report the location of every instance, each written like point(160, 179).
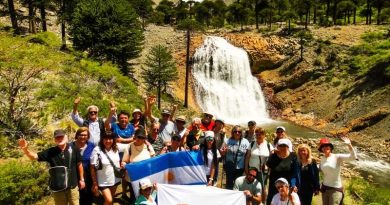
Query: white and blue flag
point(182, 168)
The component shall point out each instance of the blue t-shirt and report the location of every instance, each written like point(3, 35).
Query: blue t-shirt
point(128, 132)
point(232, 146)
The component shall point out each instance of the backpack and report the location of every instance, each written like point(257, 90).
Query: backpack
point(101, 125)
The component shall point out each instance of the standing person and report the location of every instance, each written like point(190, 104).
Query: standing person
point(250, 133)
point(234, 149)
point(123, 130)
point(282, 164)
point(309, 182)
point(93, 122)
point(250, 186)
point(166, 125)
point(180, 128)
point(148, 193)
point(63, 159)
point(257, 156)
point(207, 122)
point(138, 119)
point(104, 160)
point(136, 151)
point(210, 156)
point(173, 146)
point(86, 148)
point(154, 139)
point(281, 134)
point(284, 196)
point(219, 132)
point(330, 166)
point(195, 135)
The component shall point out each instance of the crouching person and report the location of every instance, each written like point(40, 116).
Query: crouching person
point(285, 195)
point(65, 167)
point(250, 186)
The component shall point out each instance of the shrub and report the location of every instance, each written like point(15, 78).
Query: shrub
point(369, 193)
point(22, 183)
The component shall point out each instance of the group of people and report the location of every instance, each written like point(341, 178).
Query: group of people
point(267, 172)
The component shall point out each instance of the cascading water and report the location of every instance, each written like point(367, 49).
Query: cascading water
point(224, 84)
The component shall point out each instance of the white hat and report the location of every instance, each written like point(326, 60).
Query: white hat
point(209, 134)
point(283, 180)
point(282, 128)
point(284, 141)
point(137, 110)
point(145, 183)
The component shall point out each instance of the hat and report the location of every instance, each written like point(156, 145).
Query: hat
point(165, 111)
point(208, 113)
point(324, 142)
point(283, 180)
point(220, 120)
point(181, 118)
point(209, 134)
point(281, 127)
point(145, 183)
point(284, 142)
point(140, 133)
point(137, 110)
point(58, 133)
point(251, 123)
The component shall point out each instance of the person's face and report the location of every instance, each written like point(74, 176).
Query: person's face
point(283, 148)
point(209, 141)
point(137, 115)
point(196, 126)
point(155, 129)
point(326, 149)
point(140, 139)
point(92, 113)
point(218, 125)
point(108, 142)
point(251, 176)
point(237, 133)
point(282, 188)
point(279, 133)
point(147, 191)
point(175, 143)
point(165, 117)
point(207, 118)
point(251, 126)
point(179, 124)
point(83, 137)
point(303, 153)
point(259, 136)
point(123, 120)
point(61, 140)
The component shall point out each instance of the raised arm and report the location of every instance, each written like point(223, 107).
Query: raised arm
point(112, 113)
point(75, 114)
point(24, 147)
point(174, 108)
point(352, 153)
point(150, 102)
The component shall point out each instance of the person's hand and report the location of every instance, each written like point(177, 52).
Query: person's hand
point(295, 189)
point(22, 143)
point(195, 147)
point(95, 190)
point(346, 140)
point(151, 100)
point(77, 100)
point(210, 183)
point(316, 192)
point(81, 184)
point(155, 186)
point(223, 150)
point(247, 193)
point(123, 164)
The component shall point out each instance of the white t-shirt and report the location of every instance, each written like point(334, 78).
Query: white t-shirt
point(138, 153)
point(259, 151)
point(105, 176)
point(277, 201)
point(207, 168)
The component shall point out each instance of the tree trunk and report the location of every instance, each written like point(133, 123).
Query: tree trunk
point(187, 68)
point(31, 17)
point(334, 12)
point(289, 26)
point(63, 31)
point(327, 9)
point(159, 94)
point(370, 19)
point(307, 19)
point(43, 15)
point(354, 16)
point(315, 14)
point(349, 16)
point(12, 14)
point(257, 15)
point(378, 19)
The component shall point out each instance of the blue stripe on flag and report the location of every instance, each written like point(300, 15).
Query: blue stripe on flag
point(139, 170)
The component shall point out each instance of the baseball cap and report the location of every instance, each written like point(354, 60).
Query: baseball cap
point(181, 118)
point(281, 127)
point(145, 183)
point(220, 120)
point(58, 133)
point(284, 142)
point(250, 123)
point(137, 110)
point(283, 180)
point(165, 111)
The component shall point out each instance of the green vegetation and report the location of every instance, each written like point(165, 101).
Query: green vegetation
point(27, 178)
point(367, 193)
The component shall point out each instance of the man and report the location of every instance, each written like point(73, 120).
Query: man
point(280, 133)
point(207, 122)
point(167, 127)
point(63, 158)
point(250, 133)
point(123, 130)
point(284, 196)
point(154, 138)
point(94, 123)
point(250, 186)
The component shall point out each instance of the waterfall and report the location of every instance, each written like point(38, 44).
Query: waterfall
point(224, 84)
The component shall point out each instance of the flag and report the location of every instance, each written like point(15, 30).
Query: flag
point(185, 168)
point(198, 194)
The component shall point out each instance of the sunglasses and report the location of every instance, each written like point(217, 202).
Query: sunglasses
point(209, 139)
point(259, 133)
point(156, 130)
point(251, 175)
point(208, 116)
point(237, 131)
point(92, 112)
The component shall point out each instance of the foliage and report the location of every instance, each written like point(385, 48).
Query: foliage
point(369, 193)
point(167, 8)
point(108, 30)
point(144, 9)
point(7, 148)
point(28, 178)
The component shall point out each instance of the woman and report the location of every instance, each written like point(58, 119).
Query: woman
point(104, 159)
point(330, 166)
point(210, 155)
point(280, 133)
point(138, 120)
point(137, 151)
point(82, 136)
point(309, 182)
point(147, 193)
point(257, 156)
point(282, 164)
point(284, 197)
point(234, 149)
point(194, 137)
point(173, 146)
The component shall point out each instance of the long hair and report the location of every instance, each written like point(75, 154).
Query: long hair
point(108, 135)
point(80, 130)
point(234, 129)
point(309, 156)
point(213, 150)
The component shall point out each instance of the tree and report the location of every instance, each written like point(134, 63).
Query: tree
point(160, 70)
point(239, 13)
point(166, 7)
point(304, 37)
point(12, 14)
point(289, 15)
point(144, 10)
point(108, 30)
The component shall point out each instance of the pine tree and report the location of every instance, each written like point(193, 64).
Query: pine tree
point(160, 70)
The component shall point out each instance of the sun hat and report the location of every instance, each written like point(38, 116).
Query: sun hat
point(209, 135)
point(137, 110)
point(145, 183)
point(284, 142)
point(181, 118)
point(324, 142)
point(220, 120)
point(165, 111)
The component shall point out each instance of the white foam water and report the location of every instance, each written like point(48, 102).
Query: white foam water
point(224, 84)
